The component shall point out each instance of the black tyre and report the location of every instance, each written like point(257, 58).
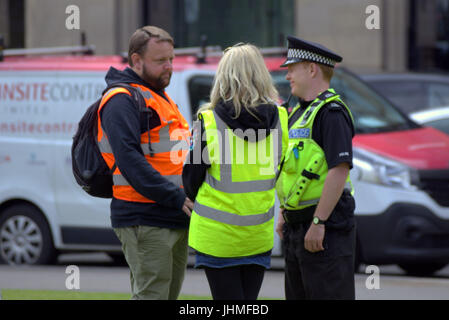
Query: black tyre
point(421, 269)
point(25, 236)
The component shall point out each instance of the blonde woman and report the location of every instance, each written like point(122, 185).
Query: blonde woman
point(239, 141)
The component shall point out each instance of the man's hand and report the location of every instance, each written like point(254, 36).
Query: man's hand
point(188, 207)
point(313, 241)
point(280, 224)
point(332, 190)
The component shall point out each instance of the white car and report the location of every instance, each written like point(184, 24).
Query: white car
point(437, 118)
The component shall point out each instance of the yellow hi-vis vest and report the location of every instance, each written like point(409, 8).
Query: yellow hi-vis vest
point(233, 212)
point(304, 170)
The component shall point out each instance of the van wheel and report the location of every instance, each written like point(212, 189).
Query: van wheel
point(25, 237)
point(421, 269)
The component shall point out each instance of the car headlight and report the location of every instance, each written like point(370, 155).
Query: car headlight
point(372, 168)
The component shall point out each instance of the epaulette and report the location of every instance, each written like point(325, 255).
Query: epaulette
point(335, 106)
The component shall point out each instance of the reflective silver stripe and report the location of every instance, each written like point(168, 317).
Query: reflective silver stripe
point(165, 144)
point(279, 142)
point(240, 186)
point(175, 179)
point(177, 145)
point(309, 112)
point(145, 148)
point(321, 99)
point(145, 93)
point(226, 184)
point(231, 218)
point(120, 180)
point(307, 202)
point(104, 145)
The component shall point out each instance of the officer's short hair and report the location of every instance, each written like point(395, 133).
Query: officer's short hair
point(327, 72)
point(140, 38)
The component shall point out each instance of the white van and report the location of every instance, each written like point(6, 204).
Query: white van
point(401, 170)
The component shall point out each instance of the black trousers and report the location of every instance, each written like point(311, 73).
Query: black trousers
point(235, 283)
point(327, 274)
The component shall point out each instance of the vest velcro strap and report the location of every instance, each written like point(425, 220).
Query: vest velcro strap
point(240, 186)
point(310, 175)
point(232, 218)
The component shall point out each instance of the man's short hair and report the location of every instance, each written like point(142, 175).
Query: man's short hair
point(140, 38)
point(327, 72)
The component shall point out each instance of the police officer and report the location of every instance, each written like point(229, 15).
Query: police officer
point(316, 221)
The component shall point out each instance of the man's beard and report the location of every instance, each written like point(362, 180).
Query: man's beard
point(156, 82)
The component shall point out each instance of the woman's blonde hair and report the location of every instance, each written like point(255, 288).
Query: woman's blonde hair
point(243, 79)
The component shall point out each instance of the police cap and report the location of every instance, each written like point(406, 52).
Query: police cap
point(300, 50)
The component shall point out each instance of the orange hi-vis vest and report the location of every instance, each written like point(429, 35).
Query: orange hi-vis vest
point(166, 150)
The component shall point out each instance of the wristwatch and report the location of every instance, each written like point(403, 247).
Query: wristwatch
point(317, 220)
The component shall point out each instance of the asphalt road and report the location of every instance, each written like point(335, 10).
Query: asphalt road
point(98, 273)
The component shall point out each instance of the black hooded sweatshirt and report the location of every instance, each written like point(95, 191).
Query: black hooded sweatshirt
point(123, 125)
point(193, 174)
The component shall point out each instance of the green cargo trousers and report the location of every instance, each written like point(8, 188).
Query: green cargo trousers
point(157, 259)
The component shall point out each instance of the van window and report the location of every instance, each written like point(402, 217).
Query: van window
point(414, 95)
point(438, 94)
point(199, 92)
point(408, 95)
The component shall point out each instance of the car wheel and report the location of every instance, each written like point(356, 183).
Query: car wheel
point(421, 269)
point(25, 237)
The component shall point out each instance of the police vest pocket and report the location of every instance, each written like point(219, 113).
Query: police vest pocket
point(304, 177)
point(291, 162)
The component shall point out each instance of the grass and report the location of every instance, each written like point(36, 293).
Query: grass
point(14, 294)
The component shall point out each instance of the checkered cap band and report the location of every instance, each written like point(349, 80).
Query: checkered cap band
point(309, 56)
